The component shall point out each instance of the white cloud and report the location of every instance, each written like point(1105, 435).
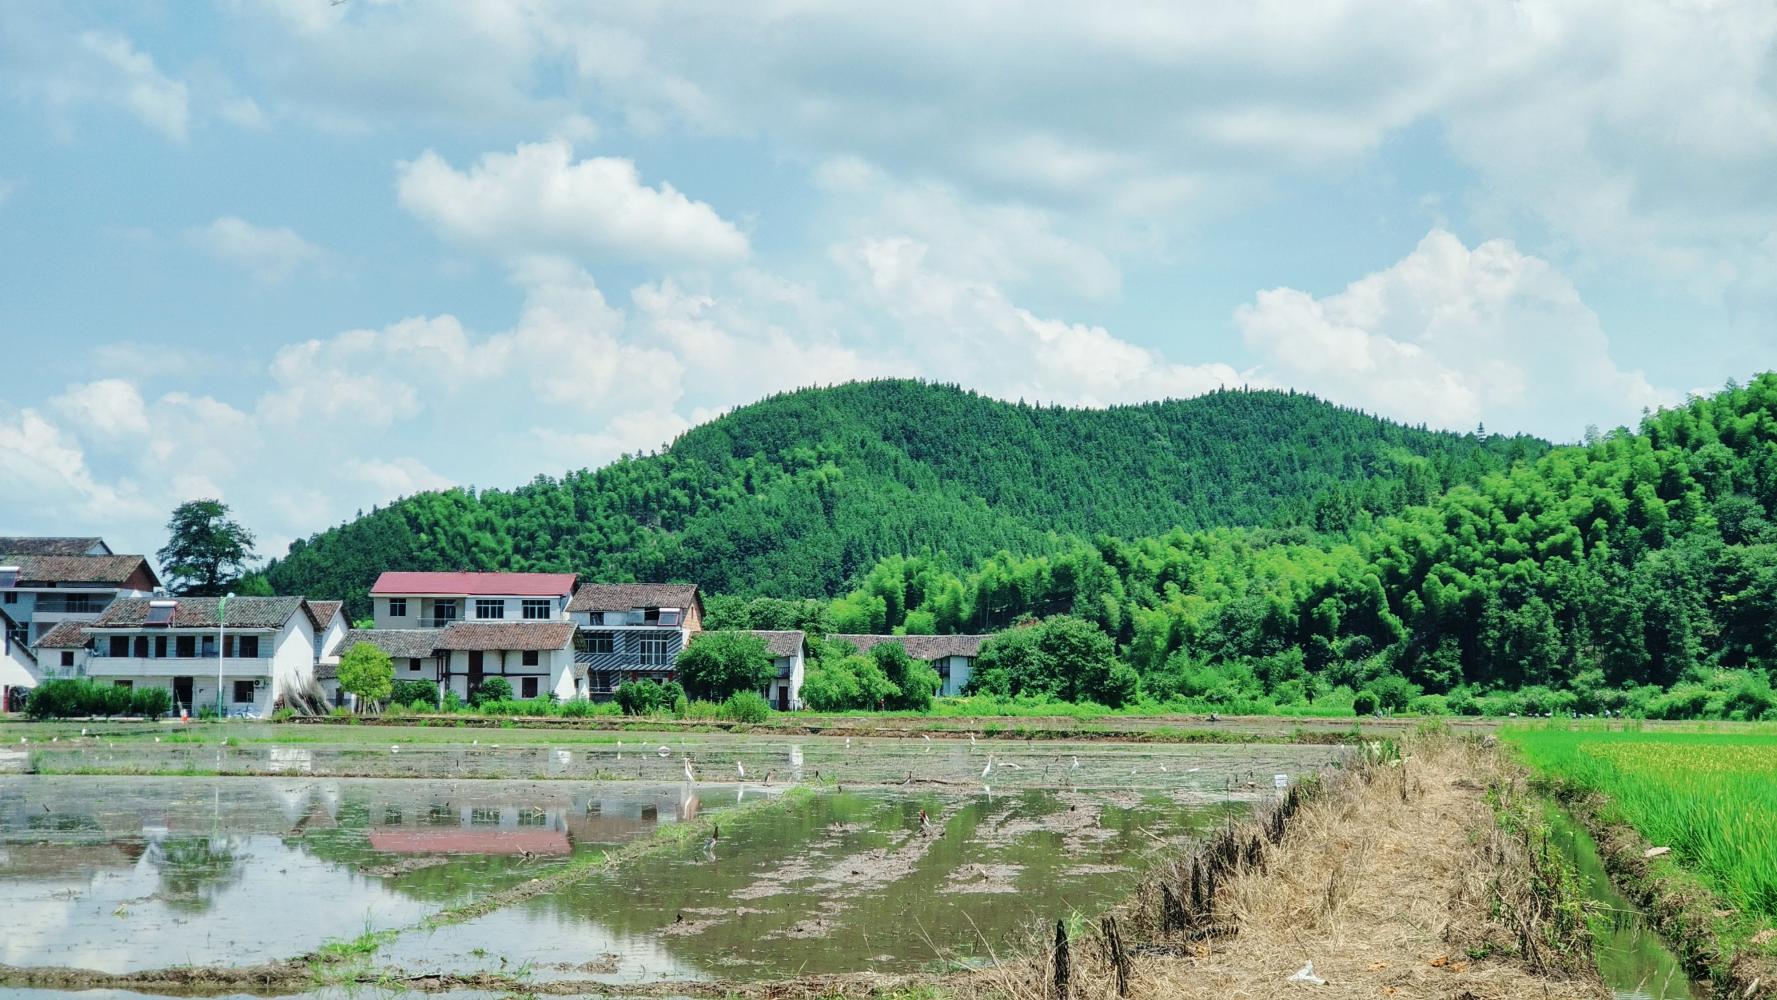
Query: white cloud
point(270, 253)
point(109, 409)
point(131, 79)
point(968, 331)
point(539, 199)
point(1452, 337)
point(48, 478)
point(394, 478)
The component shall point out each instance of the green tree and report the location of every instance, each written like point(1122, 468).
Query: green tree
point(206, 551)
point(367, 672)
point(715, 665)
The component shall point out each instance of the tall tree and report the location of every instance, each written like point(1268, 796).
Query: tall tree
point(206, 551)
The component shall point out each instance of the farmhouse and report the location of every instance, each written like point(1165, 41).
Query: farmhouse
point(46, 583)
point(633, 631)
point(953, 656)
point(266, 648)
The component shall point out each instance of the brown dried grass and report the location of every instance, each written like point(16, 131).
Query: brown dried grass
point(1389, 880)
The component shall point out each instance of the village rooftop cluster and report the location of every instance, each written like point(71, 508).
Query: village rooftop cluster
point(71, 608)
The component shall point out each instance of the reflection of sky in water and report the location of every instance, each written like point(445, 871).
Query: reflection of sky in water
point(122, 874)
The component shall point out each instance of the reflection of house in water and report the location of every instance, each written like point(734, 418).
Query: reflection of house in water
point(552, 822)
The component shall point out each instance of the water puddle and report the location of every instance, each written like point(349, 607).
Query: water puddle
point(123, 874)
point(1634, 960)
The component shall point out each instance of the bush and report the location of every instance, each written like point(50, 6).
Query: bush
point(718, 664)
point(491, 689)
point(1366, 702)
point(151, 702)
point(640, 697)
point(421, 695)
point(702, 711)
point(746, 706)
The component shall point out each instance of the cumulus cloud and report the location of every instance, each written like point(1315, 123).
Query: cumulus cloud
point(539, 199)
point(1451, 336)
point(109, 409)
point(270, 253)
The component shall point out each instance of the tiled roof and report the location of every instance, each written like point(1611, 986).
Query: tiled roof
point(476, 584)
point(67, 635)
point(624, 596)
point(112, 570)
point(920, 647)
point(507, 635)
point(405, 643)
point(321, 612)
point(51, 546)
point(200, 612)
point(782, 643)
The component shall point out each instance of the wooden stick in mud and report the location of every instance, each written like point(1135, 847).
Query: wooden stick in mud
point(1061, 964)
point(1119, 958)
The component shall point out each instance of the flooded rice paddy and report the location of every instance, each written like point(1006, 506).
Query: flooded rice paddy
point(127, 872)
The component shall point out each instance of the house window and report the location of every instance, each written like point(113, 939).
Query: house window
point(243, 692)
point(533, 817)
point(654, 651)
point(600, 643)
point(120, 645)
point(249, 647)
point(160, 646)
point(209, 646)
point(185, 646)
point(228, 646)
point(595, 618)
point(413, 663)
point(527, 688)
point(669, 616)
point(397, 607)
point(531, 658)
point(537, 610)
point(12, 597)
point(445, 611)
point(67, 657)
point(490, 609)
point(126, 685)
point(484, 817)
point(142, 646)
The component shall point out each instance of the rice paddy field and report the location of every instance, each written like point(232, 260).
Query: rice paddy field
point(1709, 796)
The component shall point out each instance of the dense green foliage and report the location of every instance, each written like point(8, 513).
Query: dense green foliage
point(746, 706)
point(1636, 573)
point(491, 689)
point(1063, 657)
point(840, 679)
point(206, 551)
point(797, 495)
point(648, 697)
point(69, 698)
point(414, 692)
point(1710, 797)
point(367, 672)
point(717, 664)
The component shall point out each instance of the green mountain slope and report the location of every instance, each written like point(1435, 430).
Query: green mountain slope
point(798, 494)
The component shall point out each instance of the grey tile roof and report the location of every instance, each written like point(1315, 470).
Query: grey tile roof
point(67, 635)
point(782, 643)
point(920, 647)
point(403, 643)
point(624, 596)
point(19, 546)
point(200, 612)
point(321, 612)
point(110, 570)
point(518, 635)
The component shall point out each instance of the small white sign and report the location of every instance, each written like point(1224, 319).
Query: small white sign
point(1281, 780)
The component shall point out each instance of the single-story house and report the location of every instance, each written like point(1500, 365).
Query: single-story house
point(953, 656)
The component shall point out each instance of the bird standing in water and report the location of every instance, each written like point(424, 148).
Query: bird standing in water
point(925, 822)
point(688, 775)
point(709, 846)
point(742, 768)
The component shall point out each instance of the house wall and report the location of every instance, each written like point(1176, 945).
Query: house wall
point(420, 608)
point(554, 671)
point(626, 648)
point(293, 657)
point(960, 669)
point(786, 690)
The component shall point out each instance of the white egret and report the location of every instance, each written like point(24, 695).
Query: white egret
point(989, 766)
point(1076, 766)
point(742, 768)
point(688, 775)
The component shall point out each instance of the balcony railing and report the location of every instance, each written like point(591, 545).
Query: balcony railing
point(69, 606)
point(437, 622)
point(126, 666)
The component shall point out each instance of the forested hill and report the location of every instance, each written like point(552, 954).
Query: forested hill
point(798, 494)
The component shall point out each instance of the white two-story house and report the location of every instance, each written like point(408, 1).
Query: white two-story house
point(265, 650)
point(633, 631)
point(952, 656)
point(56, 585)
point(435, 600)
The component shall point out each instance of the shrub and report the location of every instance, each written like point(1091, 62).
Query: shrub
point(491, 689)
point(56, 699)
point(639, 697)
point(718, 664)
point(746, 706)
point(153, 702)
point(415, 693)
point(702, 711)
point(1366, 702)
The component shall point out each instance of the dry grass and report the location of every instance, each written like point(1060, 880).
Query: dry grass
point(1396, 881)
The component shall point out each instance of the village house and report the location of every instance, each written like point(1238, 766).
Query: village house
point(265, 648)
point(435, 600)
point(633, 631)
point(952, 656)
point(49, 589)
point(789, 653)
point(536, 658)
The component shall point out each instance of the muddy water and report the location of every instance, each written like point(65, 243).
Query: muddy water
point(126, 873)
point(122, 874)
point(1634, 960)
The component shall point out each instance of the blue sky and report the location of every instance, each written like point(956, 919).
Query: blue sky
point(310, 256)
